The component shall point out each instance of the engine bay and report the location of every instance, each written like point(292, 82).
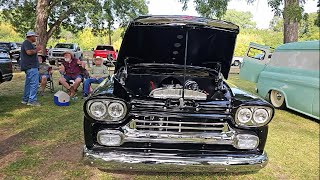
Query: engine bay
point(172, 84)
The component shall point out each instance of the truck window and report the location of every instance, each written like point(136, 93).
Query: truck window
point(307, 60)
point(256, 53)
point(67, 46)
point(109, 48)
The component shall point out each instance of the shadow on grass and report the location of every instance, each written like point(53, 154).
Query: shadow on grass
point(9, 104)
point(29, 124)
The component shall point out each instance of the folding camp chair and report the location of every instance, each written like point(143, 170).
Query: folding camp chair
point(49, 84)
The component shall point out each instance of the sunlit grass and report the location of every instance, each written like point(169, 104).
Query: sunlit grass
point(292, 146)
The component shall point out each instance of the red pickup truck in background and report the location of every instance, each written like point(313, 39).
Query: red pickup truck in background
point(103, 51)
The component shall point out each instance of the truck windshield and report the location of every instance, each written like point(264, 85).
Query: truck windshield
point(67, 46)
point(5, 46)
point(3, 54)
point(109, 48)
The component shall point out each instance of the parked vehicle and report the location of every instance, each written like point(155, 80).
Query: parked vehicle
point(290, 78)
point(236, 61)
point(56, 53)
point(19, 44)
point(5, 66)
point(168, 107)
point(106, 52)
point(12, 49)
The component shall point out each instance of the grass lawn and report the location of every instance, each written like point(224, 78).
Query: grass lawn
point(46, 142)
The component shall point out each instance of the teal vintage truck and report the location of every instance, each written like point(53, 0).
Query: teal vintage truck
point(287, 76)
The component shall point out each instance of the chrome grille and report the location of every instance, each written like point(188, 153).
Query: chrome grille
point(57, 54)
point(172, 124)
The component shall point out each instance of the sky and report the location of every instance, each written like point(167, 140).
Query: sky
point(262, 13)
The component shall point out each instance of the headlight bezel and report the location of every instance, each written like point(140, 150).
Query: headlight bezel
point(252, 122)
point(107, 117)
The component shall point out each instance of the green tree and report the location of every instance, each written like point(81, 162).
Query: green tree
point(276, 24)
point(48, 17)
point(291, 12)
point(242, 19)
point(309, 29)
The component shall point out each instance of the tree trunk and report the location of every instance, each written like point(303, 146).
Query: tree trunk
point(290, 24)
point(109, 32)
point(41, 23)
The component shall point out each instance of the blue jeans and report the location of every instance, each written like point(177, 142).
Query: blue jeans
point(87, 83)
point(31, 85)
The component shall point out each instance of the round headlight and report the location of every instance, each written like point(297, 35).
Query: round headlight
point(244, 115)
point(260, 116)
point(116, 110)
point(98, 109)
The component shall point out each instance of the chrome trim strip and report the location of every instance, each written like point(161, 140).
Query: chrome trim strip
point(178, 127)
point(160, 162)
point(184, 122)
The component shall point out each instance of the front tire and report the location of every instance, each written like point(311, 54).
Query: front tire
point(277, 99)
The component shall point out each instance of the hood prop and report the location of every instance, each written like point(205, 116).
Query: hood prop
point(185, 67)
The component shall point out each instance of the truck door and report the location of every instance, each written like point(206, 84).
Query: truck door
point(254, 62)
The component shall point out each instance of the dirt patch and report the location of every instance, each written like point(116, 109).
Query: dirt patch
point(55, 175)
point(4, 134)
point(59, 159)
point(67, 152)
point(11, 144)
point(123, 176)
point(9, 158)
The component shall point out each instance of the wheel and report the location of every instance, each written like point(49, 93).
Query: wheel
point(277, 99)
point(236, 63)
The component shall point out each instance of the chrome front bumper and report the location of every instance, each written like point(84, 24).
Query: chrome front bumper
point(164, 162)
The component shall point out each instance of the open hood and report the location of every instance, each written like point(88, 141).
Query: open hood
point(182, 40)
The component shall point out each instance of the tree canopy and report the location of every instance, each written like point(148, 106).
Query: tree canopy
point(242, 19)
point(49, 17)
point(292, 12)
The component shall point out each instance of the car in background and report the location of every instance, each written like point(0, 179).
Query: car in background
point(12, 49)
point(236, 61)
point(55, 54)
point(106, 52)
point(289, 78)
point(5, 66)
point(19, 44)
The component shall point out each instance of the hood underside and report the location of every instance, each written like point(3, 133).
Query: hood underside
point(179, 40)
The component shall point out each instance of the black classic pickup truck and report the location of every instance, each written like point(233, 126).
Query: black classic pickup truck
point(168, 106)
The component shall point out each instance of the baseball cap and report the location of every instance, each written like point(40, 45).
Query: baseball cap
point(98, 58)
point(31, 33)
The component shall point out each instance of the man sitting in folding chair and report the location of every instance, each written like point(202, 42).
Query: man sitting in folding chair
point(98, 73)
point(71, 69)
point(45, 74)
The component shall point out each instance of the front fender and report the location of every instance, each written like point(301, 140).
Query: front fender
point(242, 98)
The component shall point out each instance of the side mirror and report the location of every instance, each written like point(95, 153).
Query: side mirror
point(92, 49)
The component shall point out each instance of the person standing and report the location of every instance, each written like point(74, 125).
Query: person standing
point(30, 64)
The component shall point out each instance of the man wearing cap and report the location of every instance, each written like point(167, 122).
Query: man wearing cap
point(98, 73)
point(71, 70)
point(29, 64)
